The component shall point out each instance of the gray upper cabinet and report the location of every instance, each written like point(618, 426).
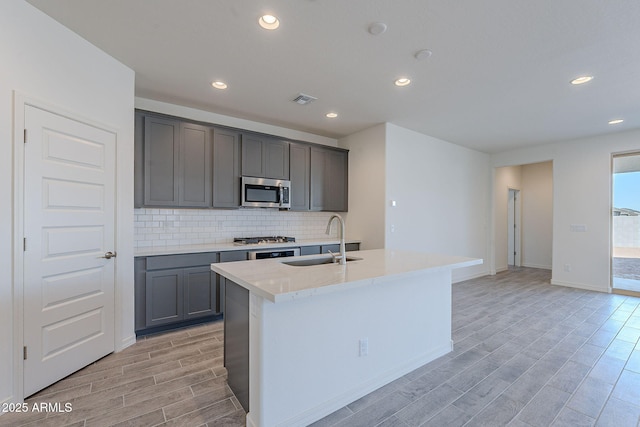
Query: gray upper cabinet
point(179, 163)
point(226, 168)
point(300, 176)
point(329, 174)
point(195, 166)
point(173, 162)
point(264, 157)
point(161, 167)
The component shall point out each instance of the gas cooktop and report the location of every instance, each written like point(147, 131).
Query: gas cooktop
point(262, 240)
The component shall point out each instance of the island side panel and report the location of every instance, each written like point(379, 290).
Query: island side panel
point(305, 359)
point(236, 340)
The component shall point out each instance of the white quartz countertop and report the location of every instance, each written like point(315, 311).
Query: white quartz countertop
point(225, 247)
point(277, 282)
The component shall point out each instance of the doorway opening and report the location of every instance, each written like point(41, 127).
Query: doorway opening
point(625, 235)
point(513, 229)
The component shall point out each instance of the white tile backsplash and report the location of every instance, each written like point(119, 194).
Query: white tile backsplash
point(165, 227)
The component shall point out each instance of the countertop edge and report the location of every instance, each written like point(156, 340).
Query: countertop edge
point(227, 247)
point(337, 287)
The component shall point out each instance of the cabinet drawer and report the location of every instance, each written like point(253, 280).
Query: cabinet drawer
point(162, 262)
point(233, 256)
point(309, 250)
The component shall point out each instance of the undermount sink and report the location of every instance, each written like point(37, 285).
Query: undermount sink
point(317, 261)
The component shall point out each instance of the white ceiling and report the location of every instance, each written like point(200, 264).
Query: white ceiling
point(498, 78)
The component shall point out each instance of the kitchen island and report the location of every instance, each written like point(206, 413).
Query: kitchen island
point(301, 341)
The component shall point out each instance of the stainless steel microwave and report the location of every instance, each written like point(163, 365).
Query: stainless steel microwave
point(265, 192)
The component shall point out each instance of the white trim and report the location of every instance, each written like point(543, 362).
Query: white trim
point(543, 267)
point(469, 277)
point(20, 101)
point(580, 286)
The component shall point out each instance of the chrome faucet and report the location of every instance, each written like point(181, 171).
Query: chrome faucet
point(342, 256)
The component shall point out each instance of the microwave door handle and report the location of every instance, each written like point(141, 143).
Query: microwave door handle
point(281, 194)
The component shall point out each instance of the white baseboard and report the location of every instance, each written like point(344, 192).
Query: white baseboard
point(458, 279)
point(543, 267)
point(343, 399)
point(580, 286)
point(501, 269)
point(127, 342)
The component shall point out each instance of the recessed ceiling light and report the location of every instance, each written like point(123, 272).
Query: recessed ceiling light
point(616, 121)
point(581, 80)
point(423, 54)
point(332, 115)
point(402, 81)
point(269, 22)
point(219, 84)
point(377, 28)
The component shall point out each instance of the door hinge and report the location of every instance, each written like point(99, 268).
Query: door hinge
point(24, 244)
point(25, 136)
point(24, 353)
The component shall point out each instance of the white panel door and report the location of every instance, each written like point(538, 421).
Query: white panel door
point(69, 226)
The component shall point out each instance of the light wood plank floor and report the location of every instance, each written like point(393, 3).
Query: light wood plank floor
point(526, 354)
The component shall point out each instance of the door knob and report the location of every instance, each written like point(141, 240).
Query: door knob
point(109, 255)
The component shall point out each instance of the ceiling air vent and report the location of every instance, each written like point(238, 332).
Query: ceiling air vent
point(303, 99)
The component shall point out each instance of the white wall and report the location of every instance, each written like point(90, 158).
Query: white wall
point(45, 61)
point(367, 188)
point(505, 178)
point(220, 119)
point(581, 196)
point(442, 193)
point(537, 215)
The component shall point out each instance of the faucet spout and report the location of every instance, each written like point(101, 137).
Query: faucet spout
point(342, 256)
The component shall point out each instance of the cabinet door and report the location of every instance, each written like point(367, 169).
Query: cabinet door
point(329, 184)
point(164, 297)
point(276, 159)
point(199, 292)
point(226, 169)
point(317, 179)
point(252, 155)
point(336, 175)
point(300, 174)
point(265, 157)
point(195, 166)
point(161, 151)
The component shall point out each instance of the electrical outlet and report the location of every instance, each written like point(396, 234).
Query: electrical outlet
point(393, 228)
point(364, 347)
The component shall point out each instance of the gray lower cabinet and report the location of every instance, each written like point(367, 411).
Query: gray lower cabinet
point(329, 184)
point(236, 341)
point(200, 292)
point(164, 297)
point(226, 168)
point(175, 290)
point(314, 250)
